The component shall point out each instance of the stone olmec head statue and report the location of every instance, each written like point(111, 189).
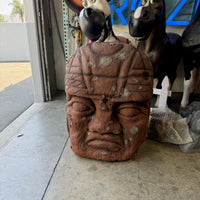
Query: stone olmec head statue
point(109, 90)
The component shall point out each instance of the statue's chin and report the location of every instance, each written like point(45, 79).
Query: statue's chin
point(91, 36)
point(140, 38)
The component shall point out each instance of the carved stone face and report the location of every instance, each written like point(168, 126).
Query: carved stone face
point(109, 90)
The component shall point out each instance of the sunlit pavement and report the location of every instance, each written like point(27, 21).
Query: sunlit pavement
point(13, 72)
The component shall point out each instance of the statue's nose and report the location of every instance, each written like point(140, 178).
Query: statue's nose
point(88, 12)
point(104, 122)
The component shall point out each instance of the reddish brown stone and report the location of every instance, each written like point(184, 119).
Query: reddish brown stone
point(109, 91)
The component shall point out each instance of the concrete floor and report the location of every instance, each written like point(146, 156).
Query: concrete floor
point(36, 162)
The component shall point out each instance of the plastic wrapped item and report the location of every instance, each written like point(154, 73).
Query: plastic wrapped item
point(192, 113)
point(192, 147)
point(193, 107)
point(168, 126)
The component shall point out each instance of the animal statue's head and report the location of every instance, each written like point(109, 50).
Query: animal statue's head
point(146, 17)
point(95, 20)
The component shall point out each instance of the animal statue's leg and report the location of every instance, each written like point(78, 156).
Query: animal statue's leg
point(188, 89)
point(159, 90)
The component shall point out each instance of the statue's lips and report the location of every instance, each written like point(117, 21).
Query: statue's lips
point(109, 141)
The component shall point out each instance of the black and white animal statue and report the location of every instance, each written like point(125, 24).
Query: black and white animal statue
point(95, 21)
point(191, 57)
point(148, 26)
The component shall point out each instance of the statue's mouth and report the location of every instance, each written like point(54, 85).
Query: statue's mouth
point(140, 29)
point(110, 141)
point(140, 38)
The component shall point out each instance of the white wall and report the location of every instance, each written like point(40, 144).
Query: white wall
point(13, 42)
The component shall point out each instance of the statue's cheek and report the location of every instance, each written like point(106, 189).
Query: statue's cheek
point(134, 126)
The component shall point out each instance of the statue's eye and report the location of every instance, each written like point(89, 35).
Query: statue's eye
point(144, 2)
point(128, 111)
point(153, 1)
point(85, 4)
point(80, 107)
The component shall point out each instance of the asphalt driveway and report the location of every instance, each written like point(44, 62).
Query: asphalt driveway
point(14, 100)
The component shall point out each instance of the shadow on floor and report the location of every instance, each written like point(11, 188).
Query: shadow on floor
point(14, 100)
